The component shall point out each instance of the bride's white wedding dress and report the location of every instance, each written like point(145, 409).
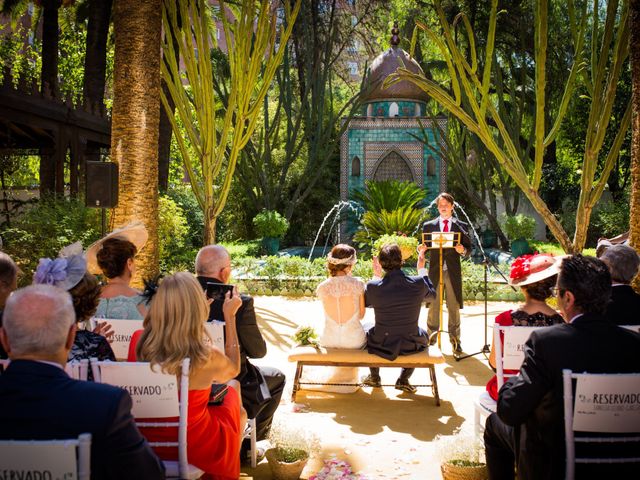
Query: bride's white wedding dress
point(341, 297)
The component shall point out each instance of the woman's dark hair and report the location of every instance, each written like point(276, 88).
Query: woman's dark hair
point(541, 290)
point(86, 296)
point(390, 257)
point(338, 252)
point(113, 256)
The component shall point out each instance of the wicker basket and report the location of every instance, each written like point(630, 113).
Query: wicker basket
point(454, 472)
point(282, 470)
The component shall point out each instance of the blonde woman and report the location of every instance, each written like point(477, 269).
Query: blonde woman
point(173, 330)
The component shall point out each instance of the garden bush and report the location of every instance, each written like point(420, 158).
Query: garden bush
point(175, 250)
point(46, 227)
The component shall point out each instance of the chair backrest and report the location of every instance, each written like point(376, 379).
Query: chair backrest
point(604, 404)
point(123, 330)
point(216, 331)
point(63, 459)
point(510, 352)
point(77, 370)
point(155, 395)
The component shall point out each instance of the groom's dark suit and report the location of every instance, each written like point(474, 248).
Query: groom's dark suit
point(39, 401)
point(396, 300)
point(530, 405)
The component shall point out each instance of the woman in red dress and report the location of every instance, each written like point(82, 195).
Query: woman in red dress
point(173, 330)
point(536, 276)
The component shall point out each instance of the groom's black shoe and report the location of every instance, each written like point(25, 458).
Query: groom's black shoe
point(405, 386)
point(371, 381)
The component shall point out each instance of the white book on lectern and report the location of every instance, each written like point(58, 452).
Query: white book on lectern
point(447, 237)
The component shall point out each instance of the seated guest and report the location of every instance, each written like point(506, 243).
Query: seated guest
point(70, 274)
point(623, 263)
point(8, 279)
point(262, 386)
point(40, 401)
point(342, 298)
point(114, 257)
point(536, 277)
point(8, 283)
point(528, 429)
point(396, 300)
point(174, 330)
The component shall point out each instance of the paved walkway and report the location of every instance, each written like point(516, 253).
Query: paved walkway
point(383, 433)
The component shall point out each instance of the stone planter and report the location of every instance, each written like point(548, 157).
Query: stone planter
point(455, 472)
point(271, 245)
point(519, 247)
point(282, 470)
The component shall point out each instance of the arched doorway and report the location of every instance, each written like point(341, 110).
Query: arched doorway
point(393, 166)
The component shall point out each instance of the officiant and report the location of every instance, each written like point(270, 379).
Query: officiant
point(451, 270)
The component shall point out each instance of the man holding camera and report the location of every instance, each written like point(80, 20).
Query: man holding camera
point(261, 386)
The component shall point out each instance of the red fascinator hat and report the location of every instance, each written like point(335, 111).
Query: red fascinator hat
point(528, 269)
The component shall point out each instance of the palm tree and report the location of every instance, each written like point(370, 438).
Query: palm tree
point(135, 117)
point(634, 45)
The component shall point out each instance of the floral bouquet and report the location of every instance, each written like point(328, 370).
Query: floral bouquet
point(306, 335)
point(335, 469)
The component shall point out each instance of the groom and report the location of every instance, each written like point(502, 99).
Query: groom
point(396, 300)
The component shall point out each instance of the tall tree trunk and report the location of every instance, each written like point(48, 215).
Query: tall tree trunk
point(634, 41)
point(135, 119)
point(164, 143)
point(49, 71)
point(95, 63)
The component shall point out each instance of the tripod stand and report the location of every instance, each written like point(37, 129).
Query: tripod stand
point(486, 261)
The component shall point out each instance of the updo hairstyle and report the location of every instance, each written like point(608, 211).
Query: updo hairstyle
point(541, 290)
point(340, 252)
point(113, 256)
point(86, 296)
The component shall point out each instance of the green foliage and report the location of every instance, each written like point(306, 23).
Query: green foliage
point(237, 250)
point(389, 195)
point(173, 248)
point(19, 56)
point(183, 197)
point(45, 228)
point(292, 441)
point(270, 223)
point(407, 245)
point(518, 226)
point(403, 220)
point(610, 219)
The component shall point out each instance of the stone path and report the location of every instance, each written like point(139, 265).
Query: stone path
point(383, 433)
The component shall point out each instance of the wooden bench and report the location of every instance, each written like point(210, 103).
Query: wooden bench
point(343, 357)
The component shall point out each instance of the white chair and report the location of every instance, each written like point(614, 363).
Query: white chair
point(250, 433)
point(58, 458)
point(509, 357)
point(154, 395)
point(77, 370)
point(635, 328)
point(587, 415)
point(123, 330)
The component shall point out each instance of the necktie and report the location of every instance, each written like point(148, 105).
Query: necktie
point(446, 225)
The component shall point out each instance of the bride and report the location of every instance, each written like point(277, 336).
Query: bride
point(342, 298)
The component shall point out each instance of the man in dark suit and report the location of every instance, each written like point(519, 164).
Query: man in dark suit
point(623, 262)
point(451, 270)
point(38, 400)
point(528, 428)
point(396, 300)
point(261, 387)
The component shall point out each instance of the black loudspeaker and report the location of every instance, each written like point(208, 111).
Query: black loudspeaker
point(102, 185)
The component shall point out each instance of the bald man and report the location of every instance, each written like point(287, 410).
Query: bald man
point(40, 401)
point(261, 386)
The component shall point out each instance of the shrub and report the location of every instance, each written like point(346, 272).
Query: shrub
point(185, 199)
point(518, 226)
point(407, 245)
point(174, 247)
point(46, 227)
point(270, 223)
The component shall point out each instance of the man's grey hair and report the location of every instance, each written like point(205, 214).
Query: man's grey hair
point(37, 319)
point(210, 259)
point(623, 263)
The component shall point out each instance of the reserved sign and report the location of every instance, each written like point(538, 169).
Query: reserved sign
point(30, 461)
point(514, 340)
point(607, 403)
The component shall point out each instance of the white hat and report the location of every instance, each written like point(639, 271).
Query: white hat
point(135, 232)
point(528, 269)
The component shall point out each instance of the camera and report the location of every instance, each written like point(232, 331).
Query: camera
point(217, 291)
